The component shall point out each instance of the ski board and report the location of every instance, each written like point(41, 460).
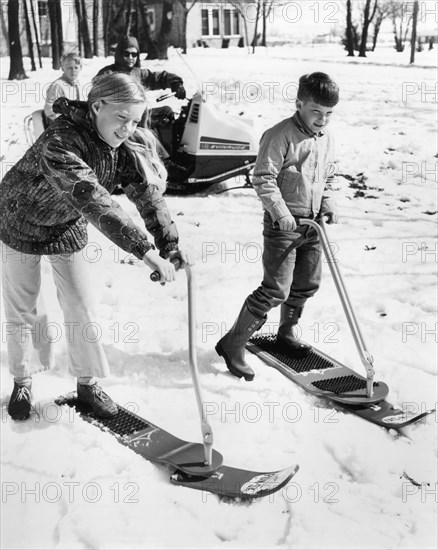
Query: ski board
point(326, 377)
point(185, 459)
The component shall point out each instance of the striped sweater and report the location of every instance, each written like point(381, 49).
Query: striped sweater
point(65, 180)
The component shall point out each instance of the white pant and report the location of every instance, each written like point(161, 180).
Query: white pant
point(27, 329)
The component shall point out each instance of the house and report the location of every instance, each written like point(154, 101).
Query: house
point(220, 24)
point(210, 23)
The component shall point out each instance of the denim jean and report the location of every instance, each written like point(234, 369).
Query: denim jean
point(291, 266)
point(26, 328)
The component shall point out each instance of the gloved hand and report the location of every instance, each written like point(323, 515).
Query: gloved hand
point(331, 217)
point(178, 89)
point(180, 258)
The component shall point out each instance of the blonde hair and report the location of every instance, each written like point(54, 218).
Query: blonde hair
point(142, 144)
point(71, 56)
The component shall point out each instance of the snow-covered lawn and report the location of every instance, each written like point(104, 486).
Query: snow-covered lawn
point(66, 484)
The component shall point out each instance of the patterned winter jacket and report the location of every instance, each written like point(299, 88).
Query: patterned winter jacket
point(64, 181)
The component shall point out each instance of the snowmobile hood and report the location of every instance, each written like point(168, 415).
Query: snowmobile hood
point(123, 43)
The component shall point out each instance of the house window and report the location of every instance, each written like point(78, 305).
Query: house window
point(42, 8)
point(150, 18)
point(205, 31)
point(215, 17)
point(231, 22)
point(210, 21)
point(236, 19)
point(227, 22)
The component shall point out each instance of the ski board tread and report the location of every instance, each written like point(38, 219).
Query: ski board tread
point(161, 447)
point(319, 371)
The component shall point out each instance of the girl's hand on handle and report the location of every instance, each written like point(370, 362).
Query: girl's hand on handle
point(165, 268)
point(180, 258)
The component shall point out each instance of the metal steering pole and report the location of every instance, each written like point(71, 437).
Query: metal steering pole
point(207, 432)
point(366, 357)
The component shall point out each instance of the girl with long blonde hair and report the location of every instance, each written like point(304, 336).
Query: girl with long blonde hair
point(64, 181)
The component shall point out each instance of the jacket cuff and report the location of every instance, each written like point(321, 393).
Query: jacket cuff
point(170, 247)
point(140, 249)
point(278, 211)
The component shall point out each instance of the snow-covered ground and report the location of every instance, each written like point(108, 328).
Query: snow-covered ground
point(67, 485)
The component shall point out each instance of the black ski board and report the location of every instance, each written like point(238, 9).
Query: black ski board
point(184, 459)
point(324, 376)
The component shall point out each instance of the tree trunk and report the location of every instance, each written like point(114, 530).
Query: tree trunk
point(186, 11)
point(78, 28)
point(4, 26)
point(264, 15)
point(159, 49)
point(137, 19)
point(96, 16)
point(55, 18)
point(107, 13)
point(16, 69)
point(367, 18)
point(414, 31)
point(349, 32)
point(35, 30)
point(29, 36)
point(376, 31)
point(255, 37)
point(59, 35)
point(85, 32)
point(128, 23)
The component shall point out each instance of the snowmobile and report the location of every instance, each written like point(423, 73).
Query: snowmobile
point(205, 145)
point(209, 147)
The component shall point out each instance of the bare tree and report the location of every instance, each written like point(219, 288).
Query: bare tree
point(368, 16)
point(4, 26)
point(238, 6)
point(83, 29)
point(382, 13)
point(267, 6)
point(349, 31)
point(128, 23)
point(96, 17)
point(29, 36)
point(35, 30)
point(55, 17)
point(257, 17)
point(16, 69)
point(400, 24)
point(160, 45)
point(414, 31)
point(186, 9)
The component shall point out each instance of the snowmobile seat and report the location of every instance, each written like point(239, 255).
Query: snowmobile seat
point(34, 126)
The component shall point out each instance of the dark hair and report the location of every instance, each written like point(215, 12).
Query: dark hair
point(320, 88)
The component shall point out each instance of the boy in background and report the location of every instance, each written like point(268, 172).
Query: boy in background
point(65, 86)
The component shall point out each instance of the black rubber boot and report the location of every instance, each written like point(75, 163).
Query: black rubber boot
point(101, 403)
point(286, 338)
point(232, 346)
point(20, 402)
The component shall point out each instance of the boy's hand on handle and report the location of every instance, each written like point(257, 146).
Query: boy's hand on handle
point(180, 258)
point(287, 223)
point(165, 268)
